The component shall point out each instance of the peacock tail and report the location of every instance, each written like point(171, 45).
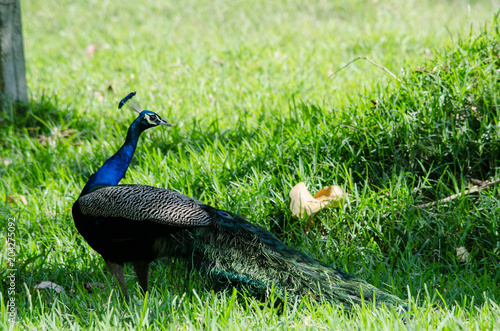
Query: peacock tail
point(233, 251)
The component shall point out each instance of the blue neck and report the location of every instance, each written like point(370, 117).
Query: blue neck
point(113, 170)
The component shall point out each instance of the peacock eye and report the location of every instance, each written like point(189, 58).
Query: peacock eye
point(224, 214)
point(154, 117)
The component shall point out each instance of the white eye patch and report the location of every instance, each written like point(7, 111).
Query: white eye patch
point(151, 119)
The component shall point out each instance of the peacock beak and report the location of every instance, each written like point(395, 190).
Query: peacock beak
point(163, 122)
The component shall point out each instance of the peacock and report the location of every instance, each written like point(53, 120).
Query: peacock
point(139, 223)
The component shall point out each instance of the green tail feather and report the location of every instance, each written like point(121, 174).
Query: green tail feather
point(234, 251)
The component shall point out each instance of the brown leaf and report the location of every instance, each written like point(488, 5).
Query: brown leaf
point(17, 198)
point(332, 193)
point(462, 254)
point(302, 202)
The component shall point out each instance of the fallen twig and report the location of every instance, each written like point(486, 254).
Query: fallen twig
point(472, 190)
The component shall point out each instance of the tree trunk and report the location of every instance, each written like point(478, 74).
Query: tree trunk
point(12, 69)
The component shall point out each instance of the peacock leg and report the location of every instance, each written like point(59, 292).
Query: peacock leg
point(116, 270)
point(142, 270)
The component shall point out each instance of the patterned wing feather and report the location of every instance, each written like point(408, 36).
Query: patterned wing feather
point(140, 202)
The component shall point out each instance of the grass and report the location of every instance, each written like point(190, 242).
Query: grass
point(246, 85)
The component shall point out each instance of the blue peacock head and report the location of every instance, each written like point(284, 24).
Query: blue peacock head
point(147, 119)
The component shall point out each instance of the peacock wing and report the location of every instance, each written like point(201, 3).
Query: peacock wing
point(141, 202)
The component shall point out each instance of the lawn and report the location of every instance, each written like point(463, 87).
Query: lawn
point(258, 105)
